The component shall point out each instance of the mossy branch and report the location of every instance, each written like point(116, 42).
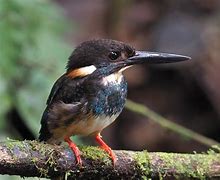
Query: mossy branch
point(34, 159)
point(167, 124)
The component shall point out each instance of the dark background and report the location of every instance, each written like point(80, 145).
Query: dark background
point(36, 38)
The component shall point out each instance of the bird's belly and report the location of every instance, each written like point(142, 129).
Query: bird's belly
point(91, 125)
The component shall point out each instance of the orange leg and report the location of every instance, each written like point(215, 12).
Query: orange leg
point(104, 146)
point(75, 150)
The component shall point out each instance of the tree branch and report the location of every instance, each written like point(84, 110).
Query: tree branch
point(31, 158)
point(167, 124)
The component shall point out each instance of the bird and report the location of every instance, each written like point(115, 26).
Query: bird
point(92, 92)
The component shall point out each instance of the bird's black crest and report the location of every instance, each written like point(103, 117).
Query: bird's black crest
point(95, 50)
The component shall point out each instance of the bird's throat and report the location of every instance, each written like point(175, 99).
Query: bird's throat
point(115, 78)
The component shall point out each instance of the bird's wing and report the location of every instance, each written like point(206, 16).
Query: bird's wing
point(56, 87)
point(55, 120)
point(62, 107)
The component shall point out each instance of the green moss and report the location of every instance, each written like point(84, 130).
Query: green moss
point(190, 166)
point(143, 164)
point(95, 153)
point(40, 147)
point(16, 148)
point(171, 164)
point(45, 151)
point(174, 166)
point(43, 171)
point(214, 150)
point(22, 148)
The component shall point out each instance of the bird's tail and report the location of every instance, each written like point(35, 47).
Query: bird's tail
point(45, 134)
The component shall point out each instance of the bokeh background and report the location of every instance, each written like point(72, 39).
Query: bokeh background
point(36, 38)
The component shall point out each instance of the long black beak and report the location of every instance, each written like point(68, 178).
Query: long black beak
point(155, 58)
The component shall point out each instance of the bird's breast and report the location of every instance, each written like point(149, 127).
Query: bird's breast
point(110, 96)
point(102, 103)
point(91, 125)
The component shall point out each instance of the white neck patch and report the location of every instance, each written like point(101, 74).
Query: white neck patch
point(113, 78)
point(87, 70)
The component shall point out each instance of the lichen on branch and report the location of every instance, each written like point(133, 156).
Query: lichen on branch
point(34, 159)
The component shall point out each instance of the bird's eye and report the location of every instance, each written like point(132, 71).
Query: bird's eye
point(114, 55)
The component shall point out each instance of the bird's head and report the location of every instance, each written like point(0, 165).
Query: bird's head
point(96, 54)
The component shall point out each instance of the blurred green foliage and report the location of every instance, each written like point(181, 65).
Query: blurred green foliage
point(32, 55)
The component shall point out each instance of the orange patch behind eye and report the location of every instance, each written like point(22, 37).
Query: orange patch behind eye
point(76, 73)
point(81, 72)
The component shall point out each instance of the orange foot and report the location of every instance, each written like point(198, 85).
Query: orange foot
point(104, 146)
point(75, 150)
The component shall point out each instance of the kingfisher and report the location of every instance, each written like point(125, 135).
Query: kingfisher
point(92, 92)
